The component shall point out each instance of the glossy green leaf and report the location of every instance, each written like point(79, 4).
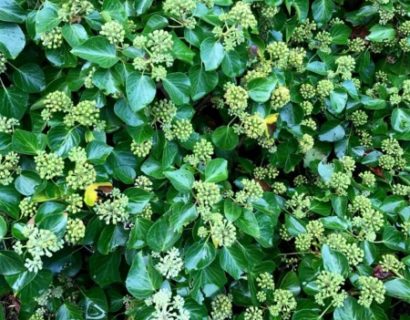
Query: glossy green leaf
point(97, 50)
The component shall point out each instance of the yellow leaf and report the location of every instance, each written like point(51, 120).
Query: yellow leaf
point(91, 192)
point(269, 120)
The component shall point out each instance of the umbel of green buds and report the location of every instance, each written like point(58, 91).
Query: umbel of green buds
point(113, 31)
point(49, 165)
point(3, 62)
point(280, 97)
point(52, 39)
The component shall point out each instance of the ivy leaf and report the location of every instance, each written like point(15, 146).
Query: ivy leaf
point(322, 10)
point(212, 53)
point(12, 39)
point(29, 78)
point(162, 236)
point(61, 139)
point(398, 288)
point(11, 11)
point(178, 86)
point(104, 269)
point(216, 170)
point(10, 263)
point(260, 89)
point(334, 261)
point(301, 7)
point(199, 255)
point(27, 142)
point(400, 120)
point(202, 82)
point(97, 50)
point(141, 90)
point(381, 33)
point(181, 179)
point(233, 260)
point(13, 102)
point(225, 138)
point(142, 279)
point(69, 311)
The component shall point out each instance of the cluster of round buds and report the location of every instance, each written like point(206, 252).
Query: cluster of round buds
point(52, 39)
point(299, 203)
point(304, 31)
point(180, 129)
point(265, 281)
point(75, 231)
point(49, 165)
point(57, 101)
point(202, 152)
point(368, 178)
point(84, 113)
point(75, 203)
point(280, 97)
point(359, 118)
point(390, 263)
point(371, 289)
point(345, 66)
point(113, 210)
point(171, 264)
point(73, 10)
point(356, 45)
point(352, 251)
point(3, 62)
point(163, 111)
point(253, 126)
point(206, 193)
point(269, 172)
point(27, 207)
point(7, 124)
point(181, 10)
point(324, 88)
point(284, 304)
point(329, 285)
point(144, 183)
point(223, 233)
point(141, 149)
point(81, 176)
point(252, 191)
point(253, 313)
point(340, 182)
point(221, 307)
point(236, 98)
point(113, 31)
point(307, 91)
point(241, 14)
point(306, 143)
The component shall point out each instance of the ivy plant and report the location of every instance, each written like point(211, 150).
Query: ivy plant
point(204, 159)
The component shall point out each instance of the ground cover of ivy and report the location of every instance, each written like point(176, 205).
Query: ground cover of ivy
point(205, 159)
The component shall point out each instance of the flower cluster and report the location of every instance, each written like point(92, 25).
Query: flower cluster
point(167, 307)
point(40, 242)
point(114, 209)
point(8, 165)
point(49, 165)
point(155, 53)
point(171, 264)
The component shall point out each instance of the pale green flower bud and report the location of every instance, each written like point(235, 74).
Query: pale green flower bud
point(113, 31)
point(75, 231)
point(52, 39)
point(49, 165)
point(371, 289)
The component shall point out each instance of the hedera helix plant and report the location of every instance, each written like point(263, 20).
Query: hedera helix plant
point(204, 159)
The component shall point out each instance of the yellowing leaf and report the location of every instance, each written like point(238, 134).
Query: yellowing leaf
point(269, 120)
point(91, 192)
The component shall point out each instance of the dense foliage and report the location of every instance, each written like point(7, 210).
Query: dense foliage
point(204, 159)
